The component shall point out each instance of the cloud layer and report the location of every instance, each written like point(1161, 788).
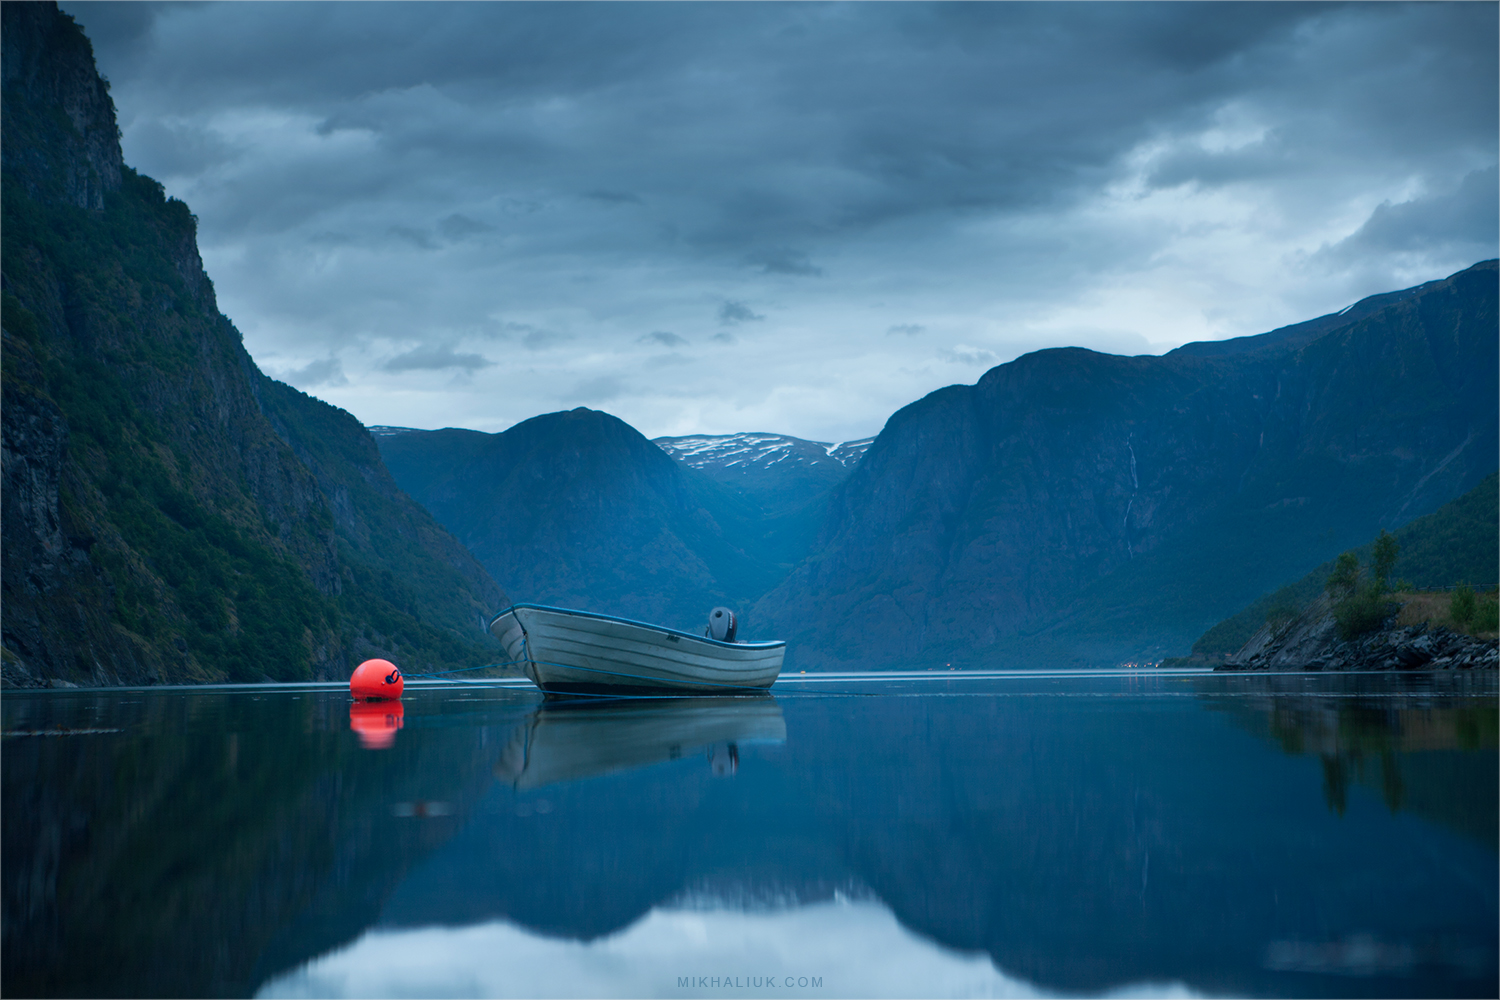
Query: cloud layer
point(466, 214)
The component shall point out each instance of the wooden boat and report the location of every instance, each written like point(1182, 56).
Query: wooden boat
point(579, 652)
point(576, 739)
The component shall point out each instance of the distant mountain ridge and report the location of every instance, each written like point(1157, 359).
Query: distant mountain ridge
point(579, 509)
point(1300, 334)
point(777, 472)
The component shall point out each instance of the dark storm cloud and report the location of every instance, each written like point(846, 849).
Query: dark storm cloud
point(419, 238)
point(436, 359)
point(118, 27)
point(663, 338)
point(737, 312)
point(457, 227)
point(178, 148)
point(542, 340)
point(1467, 214)
point(571, 174)
point(772, 123)
point(326, 371)
point(614, 197)
point(915, 104)
point(783, 261)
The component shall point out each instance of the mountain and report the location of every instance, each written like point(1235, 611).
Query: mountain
point(578, 509)
point(1299, 334)
point(779, 473)
point(1086, 508)
point(1457, 543)
point(170, 513)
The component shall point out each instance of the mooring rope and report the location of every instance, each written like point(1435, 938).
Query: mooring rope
point(460, 670)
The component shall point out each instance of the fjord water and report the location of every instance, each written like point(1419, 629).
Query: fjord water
point(1146, 833)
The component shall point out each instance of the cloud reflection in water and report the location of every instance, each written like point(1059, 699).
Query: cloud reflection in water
point(856, 948)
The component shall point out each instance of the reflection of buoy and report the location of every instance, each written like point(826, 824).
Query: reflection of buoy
point(376, 679)
point(376, 723)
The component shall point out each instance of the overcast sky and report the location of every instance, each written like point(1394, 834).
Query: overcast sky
point(791, 217)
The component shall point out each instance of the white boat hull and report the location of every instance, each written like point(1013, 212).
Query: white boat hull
point(578, 652)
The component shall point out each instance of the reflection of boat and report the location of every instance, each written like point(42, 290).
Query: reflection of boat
point(572, 740)
point(578, 652)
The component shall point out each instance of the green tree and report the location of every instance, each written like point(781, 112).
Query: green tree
point(1487, 616)
point(1345, 574)
point(1384, 558)
point(1357, 609)
point(1462, 609)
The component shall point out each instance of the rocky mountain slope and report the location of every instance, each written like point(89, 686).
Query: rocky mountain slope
point(1300, 334)
point(578, 509)
point(1311, 641)
point(170, 514)
point(1083, 507)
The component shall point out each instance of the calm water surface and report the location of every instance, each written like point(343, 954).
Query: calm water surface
point(1021, 835)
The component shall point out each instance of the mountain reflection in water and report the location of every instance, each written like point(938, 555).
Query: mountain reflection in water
point(1032, 834)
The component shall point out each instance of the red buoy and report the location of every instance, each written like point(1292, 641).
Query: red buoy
point(376, 723)
point(377, 680)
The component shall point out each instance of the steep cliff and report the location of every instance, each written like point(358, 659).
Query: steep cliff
point(61, 141)
point(159, 521)
point(1091, 508)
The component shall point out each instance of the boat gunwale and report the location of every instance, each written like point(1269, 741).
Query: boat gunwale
point(769, 644)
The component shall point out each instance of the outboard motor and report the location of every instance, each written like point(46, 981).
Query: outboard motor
point(721, 625)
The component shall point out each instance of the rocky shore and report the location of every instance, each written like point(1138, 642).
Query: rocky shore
point(1311, 642)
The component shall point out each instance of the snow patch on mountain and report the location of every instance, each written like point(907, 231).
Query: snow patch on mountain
point(759, 450)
